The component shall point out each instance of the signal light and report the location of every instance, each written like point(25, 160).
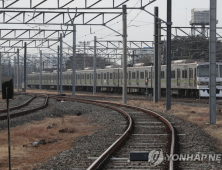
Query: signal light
point(146, 82)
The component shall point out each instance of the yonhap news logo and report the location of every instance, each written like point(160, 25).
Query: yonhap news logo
point(156, 157)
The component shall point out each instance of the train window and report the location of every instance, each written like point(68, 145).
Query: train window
point(141, 75)
point(133, 75)
point(178, 73)
point(111, 75)
point(98, 76)
point(190, 72)
point(101, 75)
point(184, 74)
point(87, 76)
point(104, 75)
point(203, 71)
point(173, 74)
point(220, 70)
point(162, 74)
point(114, 75)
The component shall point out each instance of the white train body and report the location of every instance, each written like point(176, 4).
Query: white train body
point(188, 79)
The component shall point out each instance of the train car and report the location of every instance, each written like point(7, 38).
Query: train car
point(188, 78)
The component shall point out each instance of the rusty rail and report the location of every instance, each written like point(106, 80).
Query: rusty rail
point(20, 106)
point(4, 117)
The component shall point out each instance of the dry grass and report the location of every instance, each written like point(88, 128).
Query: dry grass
point(27, 157)
point(196, 115)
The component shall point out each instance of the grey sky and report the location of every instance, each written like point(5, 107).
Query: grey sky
point(181, 15)
point(140, 23)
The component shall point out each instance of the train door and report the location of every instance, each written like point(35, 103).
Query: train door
point(80, 78)
point(195, 77)
point(85, 78)
point(178, 77)
point(129, 78)
point(114, 78)
point(90, 78)
point(190, 77)
point(107, 80)
point(102, 78)
point(137, 78)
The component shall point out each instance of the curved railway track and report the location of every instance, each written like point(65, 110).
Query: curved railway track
point(19, 106)
point(145, 131)
point(29, 106)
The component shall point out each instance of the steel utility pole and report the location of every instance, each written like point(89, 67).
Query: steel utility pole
point(94, 68)
point(58, 71)
point(40, 71)
point(168, 60)
point(17, 70)
point(0, 70)
point(124, 88)
point(159, 59)
point(155, 97)
point(25, 51)
point(212, 55)
point(14, 71)
point(74, 62)
point(84, 57)
point(60, 63)
point(9, 67)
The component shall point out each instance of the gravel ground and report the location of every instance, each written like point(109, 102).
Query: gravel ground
point(84, 147)
point(193, 141)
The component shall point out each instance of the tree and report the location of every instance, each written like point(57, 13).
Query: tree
point(80, 58)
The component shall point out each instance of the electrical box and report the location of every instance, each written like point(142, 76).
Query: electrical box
point(139, 156)
point(7, 84)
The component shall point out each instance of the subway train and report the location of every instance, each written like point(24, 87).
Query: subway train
point(188, 78)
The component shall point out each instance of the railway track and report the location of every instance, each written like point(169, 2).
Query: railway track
point(145, 131)
point(19, 106)
point(37, 102)
point(174, 100)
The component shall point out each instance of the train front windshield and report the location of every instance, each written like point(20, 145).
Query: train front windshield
point(203, 71)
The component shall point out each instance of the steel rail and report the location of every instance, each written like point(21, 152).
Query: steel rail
point(18, 107)
point(4, 117)
point(117, 143)
point(101, 158)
